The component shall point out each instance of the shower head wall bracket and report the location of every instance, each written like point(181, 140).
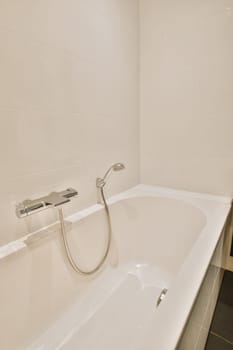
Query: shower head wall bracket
point(101, 181)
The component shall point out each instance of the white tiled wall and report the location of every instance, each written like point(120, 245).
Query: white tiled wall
point(68, 100)
point(186, 94)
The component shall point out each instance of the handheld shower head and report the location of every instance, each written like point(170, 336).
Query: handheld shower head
point(101, 182)
point(118, 166)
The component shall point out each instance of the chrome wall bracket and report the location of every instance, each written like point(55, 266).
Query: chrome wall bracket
point(54, 199)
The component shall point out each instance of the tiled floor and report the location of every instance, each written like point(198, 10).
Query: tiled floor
point(221, 331)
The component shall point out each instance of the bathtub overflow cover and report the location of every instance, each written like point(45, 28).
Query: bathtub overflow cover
point(161, 296)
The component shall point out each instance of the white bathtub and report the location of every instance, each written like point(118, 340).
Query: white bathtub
point(161, 239)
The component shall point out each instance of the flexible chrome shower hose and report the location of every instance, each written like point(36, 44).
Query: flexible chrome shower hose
point(66, 244)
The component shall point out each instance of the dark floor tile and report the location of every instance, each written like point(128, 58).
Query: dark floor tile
point(222, 323)
point(216, 343)
point(226, 293)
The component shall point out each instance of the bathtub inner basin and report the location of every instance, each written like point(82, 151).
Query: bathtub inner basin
point(152, 237)
point(112, 315)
